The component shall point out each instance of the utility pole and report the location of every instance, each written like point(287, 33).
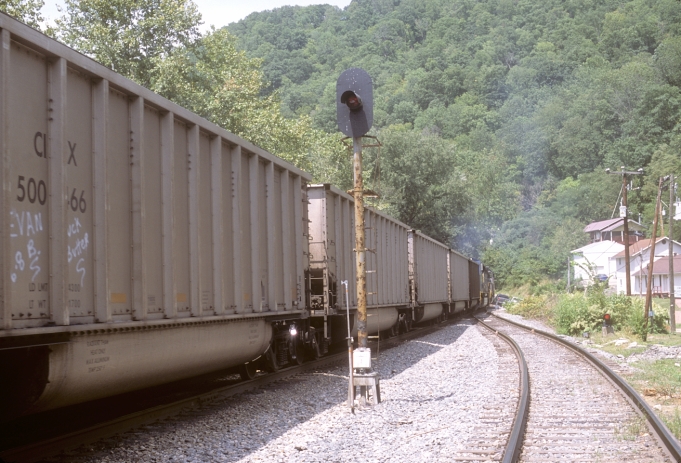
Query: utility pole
point(672, 301)
point(649, 283)
point(627, 264)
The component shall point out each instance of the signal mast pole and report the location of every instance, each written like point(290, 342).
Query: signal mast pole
point(355, 115)
point(360, 247)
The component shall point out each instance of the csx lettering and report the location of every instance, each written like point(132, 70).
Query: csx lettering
point(40, 143)
point(73, 154)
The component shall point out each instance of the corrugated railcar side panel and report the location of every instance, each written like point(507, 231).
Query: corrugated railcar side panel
point(474, 281)
point(332, 224)
point(27, 214)
point(120, 206)
point(460, 278)
point(429, 269)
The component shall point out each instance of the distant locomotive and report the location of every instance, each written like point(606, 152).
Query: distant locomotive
point(142, 244)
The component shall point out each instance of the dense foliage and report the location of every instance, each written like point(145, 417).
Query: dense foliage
point(530, 99)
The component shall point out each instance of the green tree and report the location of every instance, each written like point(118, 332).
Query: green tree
point(129, 36)
point(420, 181)
point(26, 11)
point(220, 83)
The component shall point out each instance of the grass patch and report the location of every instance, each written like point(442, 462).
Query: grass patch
point(673, 422)
point(661, 378)
point(631, 429)
point(660, 384)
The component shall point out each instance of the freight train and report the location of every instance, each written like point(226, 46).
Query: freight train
point(141, 244)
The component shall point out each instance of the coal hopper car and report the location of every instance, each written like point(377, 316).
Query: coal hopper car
point(140, 243)
point(332, 260)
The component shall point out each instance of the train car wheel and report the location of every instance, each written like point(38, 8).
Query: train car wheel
point(248, 370)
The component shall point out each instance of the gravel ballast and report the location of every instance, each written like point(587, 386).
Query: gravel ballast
point(429, 409)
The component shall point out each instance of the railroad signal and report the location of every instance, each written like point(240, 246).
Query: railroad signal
point(354, 102)
point(607, 325)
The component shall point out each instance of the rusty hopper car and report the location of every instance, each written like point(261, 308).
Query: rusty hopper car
point(140, 243)
point(429, 277)
point(332, 260)
point(460, 290)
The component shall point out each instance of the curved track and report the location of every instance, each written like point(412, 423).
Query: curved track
point(580, 410)
point(499, 435)
point(36, 451)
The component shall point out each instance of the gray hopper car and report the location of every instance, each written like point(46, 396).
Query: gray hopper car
point(141, 244)
point(459, 278)
point(429, 277)
point(332, 240)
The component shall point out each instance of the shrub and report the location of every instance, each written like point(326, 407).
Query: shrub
point(576, 313)
point(636, 322)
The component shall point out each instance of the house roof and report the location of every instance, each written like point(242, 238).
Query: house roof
point(610, 225)
point(641, 245)
point(661, 265)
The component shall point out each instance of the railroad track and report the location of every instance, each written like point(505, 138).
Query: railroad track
point(502, 425)
point(39, 450)
point(578, 410)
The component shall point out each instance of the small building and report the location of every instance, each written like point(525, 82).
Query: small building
point(660, 283)
point(613, 230)
point(639, 258)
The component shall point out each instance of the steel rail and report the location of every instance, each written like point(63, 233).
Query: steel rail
point(515, 439)
point(40, 450)
point(663, 433)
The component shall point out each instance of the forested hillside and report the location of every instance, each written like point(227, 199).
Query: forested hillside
point(497, 116)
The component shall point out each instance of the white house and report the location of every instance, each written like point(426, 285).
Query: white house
point(639, 258)
point(660, 283)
